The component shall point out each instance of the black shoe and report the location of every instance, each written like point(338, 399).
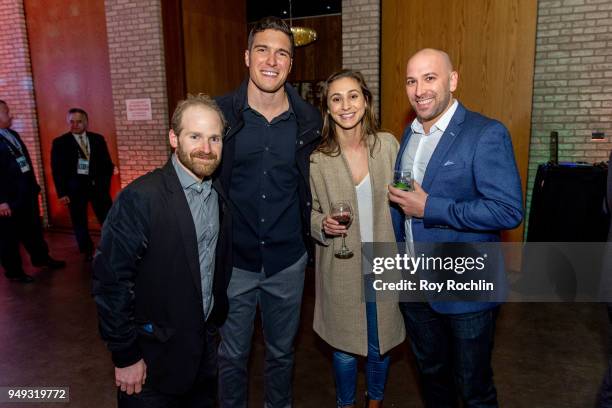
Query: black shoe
point(50, 263)
point(21, 278)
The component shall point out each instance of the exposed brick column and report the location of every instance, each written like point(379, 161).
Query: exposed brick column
point(572, 92)
point(136, 51)
point(361, 41)
point(16, 83)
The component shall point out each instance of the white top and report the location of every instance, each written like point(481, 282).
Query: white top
point(364, 204)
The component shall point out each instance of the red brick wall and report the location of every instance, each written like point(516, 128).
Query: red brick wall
point(16, 82)
point(135, 42)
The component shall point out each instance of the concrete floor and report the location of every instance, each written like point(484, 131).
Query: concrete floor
point(546, 355)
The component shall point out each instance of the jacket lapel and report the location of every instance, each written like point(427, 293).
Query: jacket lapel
point(219, 189)
point(184, 220)
point(375, 170)
point(405, 138)
point(451, 132)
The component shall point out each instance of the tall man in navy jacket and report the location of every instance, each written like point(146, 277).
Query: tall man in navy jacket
point(265, 168)
point(467, 189)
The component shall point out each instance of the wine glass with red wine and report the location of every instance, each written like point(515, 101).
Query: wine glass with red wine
point(342, 212)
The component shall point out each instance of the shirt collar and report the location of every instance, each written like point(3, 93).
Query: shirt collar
point(282, 116)
point(82, 134)
point(187, 180)
point(6, 134)
point(441, 124)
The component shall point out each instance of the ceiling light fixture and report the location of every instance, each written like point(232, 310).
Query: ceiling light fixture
point(301, 35)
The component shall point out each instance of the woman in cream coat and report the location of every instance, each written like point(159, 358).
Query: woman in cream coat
point(354, 163)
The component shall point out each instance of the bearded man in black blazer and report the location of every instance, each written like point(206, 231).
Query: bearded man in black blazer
point(82, 171)
point(162, 269)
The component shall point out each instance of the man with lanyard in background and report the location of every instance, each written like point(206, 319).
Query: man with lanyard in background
point(19, 210)
point(82, 171)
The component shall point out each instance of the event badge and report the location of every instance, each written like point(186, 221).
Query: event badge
point(23, 164)
point(83, 167)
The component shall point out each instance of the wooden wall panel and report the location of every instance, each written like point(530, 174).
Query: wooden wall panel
point(174, 52)
point(318, 60)
point(214, 42)
point(70, 66)
point(492, 45)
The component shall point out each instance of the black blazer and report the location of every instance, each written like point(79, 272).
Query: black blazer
point(146, 271)
point(65, 153)
point(16, 188)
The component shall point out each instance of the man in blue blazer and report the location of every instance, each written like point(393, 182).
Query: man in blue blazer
point(466, 189)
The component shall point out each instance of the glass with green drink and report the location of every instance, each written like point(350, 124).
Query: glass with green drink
point(402, 179)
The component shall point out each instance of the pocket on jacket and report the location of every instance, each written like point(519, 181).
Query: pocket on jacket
point(453, 167)
point(153, 331)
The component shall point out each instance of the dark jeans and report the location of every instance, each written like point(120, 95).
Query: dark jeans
point(377, 366)
point(202, 394)
point(101, 203)
point(453, 355)
point(23, 226)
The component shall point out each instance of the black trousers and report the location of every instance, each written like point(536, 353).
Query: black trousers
point(202, 394)
point(23, 226)
point(101, 203)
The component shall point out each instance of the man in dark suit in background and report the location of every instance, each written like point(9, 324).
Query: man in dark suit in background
point(162, 269)
point(19, 211)
point(82, 171)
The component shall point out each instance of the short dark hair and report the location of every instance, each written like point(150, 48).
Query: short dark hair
point(271, 23)
point(200, 99)
point(78, 110)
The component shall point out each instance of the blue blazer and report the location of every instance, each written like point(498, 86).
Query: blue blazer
point(474, 190)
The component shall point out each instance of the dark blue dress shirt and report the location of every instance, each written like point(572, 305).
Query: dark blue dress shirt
point(267, 228)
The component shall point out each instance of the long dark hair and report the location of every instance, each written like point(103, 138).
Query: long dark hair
point(369, 125)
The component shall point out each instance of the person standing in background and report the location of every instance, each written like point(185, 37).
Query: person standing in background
point(19, 209)
point(82, 171)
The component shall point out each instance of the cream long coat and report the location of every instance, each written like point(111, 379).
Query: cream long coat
point(340, 313)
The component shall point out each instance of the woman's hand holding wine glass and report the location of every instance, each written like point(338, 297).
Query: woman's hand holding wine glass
point(332, 227)
point(337, 223)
